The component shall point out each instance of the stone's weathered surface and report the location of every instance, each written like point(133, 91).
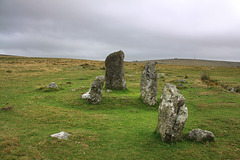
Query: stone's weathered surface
point(173, 114)
point(61, 135)
point(94, 95)
point(115, 75)
point(200, 135)
point(148, 90)
point(52, 85)
point(160, 75)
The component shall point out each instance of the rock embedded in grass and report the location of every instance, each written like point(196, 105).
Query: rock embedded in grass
point(52, 85)
point(160, 75)
point(173, 114)
point(61, 135)
point(200, 135)
point(115, 74)
point(94, 95)
point(86, 95)
point(148, 90)
point(180, 85)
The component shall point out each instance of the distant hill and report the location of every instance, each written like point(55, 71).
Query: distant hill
point(4, 55)
point(189, 62)
point(196, 62)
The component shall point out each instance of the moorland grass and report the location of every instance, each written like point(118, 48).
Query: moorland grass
point(121, 127)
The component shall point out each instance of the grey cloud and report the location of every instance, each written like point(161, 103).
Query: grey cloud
point(142, 29)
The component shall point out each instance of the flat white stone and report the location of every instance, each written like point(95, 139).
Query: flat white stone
point(61, 135)
point(86, 95)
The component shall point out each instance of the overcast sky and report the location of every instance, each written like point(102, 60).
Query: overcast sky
point(143, 29)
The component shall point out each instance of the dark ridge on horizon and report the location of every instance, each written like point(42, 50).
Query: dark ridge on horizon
point(174, 61)
point(188, 59)
point(195, 62)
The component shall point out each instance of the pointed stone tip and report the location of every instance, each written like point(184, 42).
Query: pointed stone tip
point(117, 52)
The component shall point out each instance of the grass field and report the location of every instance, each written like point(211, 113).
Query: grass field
point(121, 127)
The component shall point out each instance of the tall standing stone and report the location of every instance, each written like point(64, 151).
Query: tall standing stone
point(173, 114)
point(94, 95)
point(115, 75)
point(148, 90)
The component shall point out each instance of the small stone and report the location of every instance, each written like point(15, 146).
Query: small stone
point(200, 135)
point(232, 90)
point(61, 135)
point(86, 95)
point(52, 85)
point(180, 85)
point(73, 90)
point(160, 75)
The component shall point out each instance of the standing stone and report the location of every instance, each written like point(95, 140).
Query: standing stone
point(173, 114)
point(115, 75)
point(200, 135)
point(94, 95)
point(149, 84)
